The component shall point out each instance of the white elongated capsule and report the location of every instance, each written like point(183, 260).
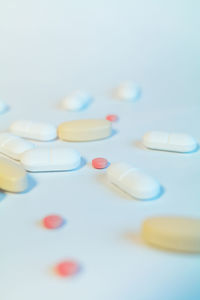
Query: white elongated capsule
point(128, 91)
point(45, 159)
point(133, 181)
point(177, 142)
point(34, 130)
point(76, 101)
point(3, 107)
point(13, 146)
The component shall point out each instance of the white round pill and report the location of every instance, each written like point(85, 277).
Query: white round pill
point(76, 101)
point(128, 91)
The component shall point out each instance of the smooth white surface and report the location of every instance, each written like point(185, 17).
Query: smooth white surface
point(178, 142)
point(76, 101)
point(39, 131)
point(13, 146)
point(49, 48)
point(133, 181)
point(53, 158)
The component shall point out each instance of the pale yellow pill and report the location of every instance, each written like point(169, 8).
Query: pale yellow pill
point(84, 130)
point(12, 176)
point(173, 233)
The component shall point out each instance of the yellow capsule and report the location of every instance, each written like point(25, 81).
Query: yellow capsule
point(84, 130)
point(12, 176)
point(173, 233)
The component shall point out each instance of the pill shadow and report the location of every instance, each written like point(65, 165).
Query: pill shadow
point(31, 184)
point(2, 196)
point(124, 195)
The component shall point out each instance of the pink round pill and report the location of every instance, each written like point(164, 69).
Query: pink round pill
point(53, 221)
point(112, 118)
point(67, 268)
point(99, 163)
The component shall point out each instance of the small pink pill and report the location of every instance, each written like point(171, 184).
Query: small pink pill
point(99, 163)
point(67, 268)
point(53, 221)
point(112, 118)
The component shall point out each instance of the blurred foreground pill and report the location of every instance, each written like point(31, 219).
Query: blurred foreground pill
point(53, 222)
point(34, 130)
point(12, 176)
point(3, 107)
point(99, 163)
point(127, 91)
point(173, 233)
point(47, 159)
point(76, 101)
point(112, 118)
point(67, 268)
point(84, 130)
point(13, 146)
point(176, 142)
point(133, 181)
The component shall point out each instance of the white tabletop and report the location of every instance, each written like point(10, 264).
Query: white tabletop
point(48, 49)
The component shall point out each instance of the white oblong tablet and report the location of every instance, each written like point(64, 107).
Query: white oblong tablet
point(177, 142)
point(45, 159)
point(13, 146)
point(34, 130)
point(133, 181)
point(76, 101)
point(3, 107)
point(128, 91)
point(173, 233)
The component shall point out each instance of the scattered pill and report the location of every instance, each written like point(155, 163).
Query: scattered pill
point(12, 176)
point(99, 163)
point(13, 146)
point(173, 233)
point(112, 118)
point(76, 101)
point(127, 91)
point(177, 142)
point(67, 268)
point(53, 222)
point(45, 159)
point(3, 107)
point(133, 181)
point(84, 130)
point(34, 130)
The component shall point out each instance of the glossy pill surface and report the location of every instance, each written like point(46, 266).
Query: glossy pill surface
point(112, 118)
point(67, 268)
point(34, 130)
point(173, 233)
point(99, 163)
point(177, 142)
point(76, 101)
point(12, 176)
point(84, 130)
point(13, 146)
point(53, 222)
point(133, 181)
point(45, 159)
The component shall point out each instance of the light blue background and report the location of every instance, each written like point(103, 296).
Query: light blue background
point(49, 48)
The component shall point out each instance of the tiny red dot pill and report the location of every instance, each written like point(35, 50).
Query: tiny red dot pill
point(53, 221)
point(112, 118)
point(99, 163)
point(67, 268)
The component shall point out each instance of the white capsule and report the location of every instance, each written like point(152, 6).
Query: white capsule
point(128, 92)
point(76, 101)
point(47, 159)
point(3, 107)
point(13, 146)
point(34, 130)
point(133, 181)
point(176, 142)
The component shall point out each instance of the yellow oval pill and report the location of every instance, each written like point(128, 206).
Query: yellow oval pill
point(12, 176)
point(84, 130)
point(173, 233)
